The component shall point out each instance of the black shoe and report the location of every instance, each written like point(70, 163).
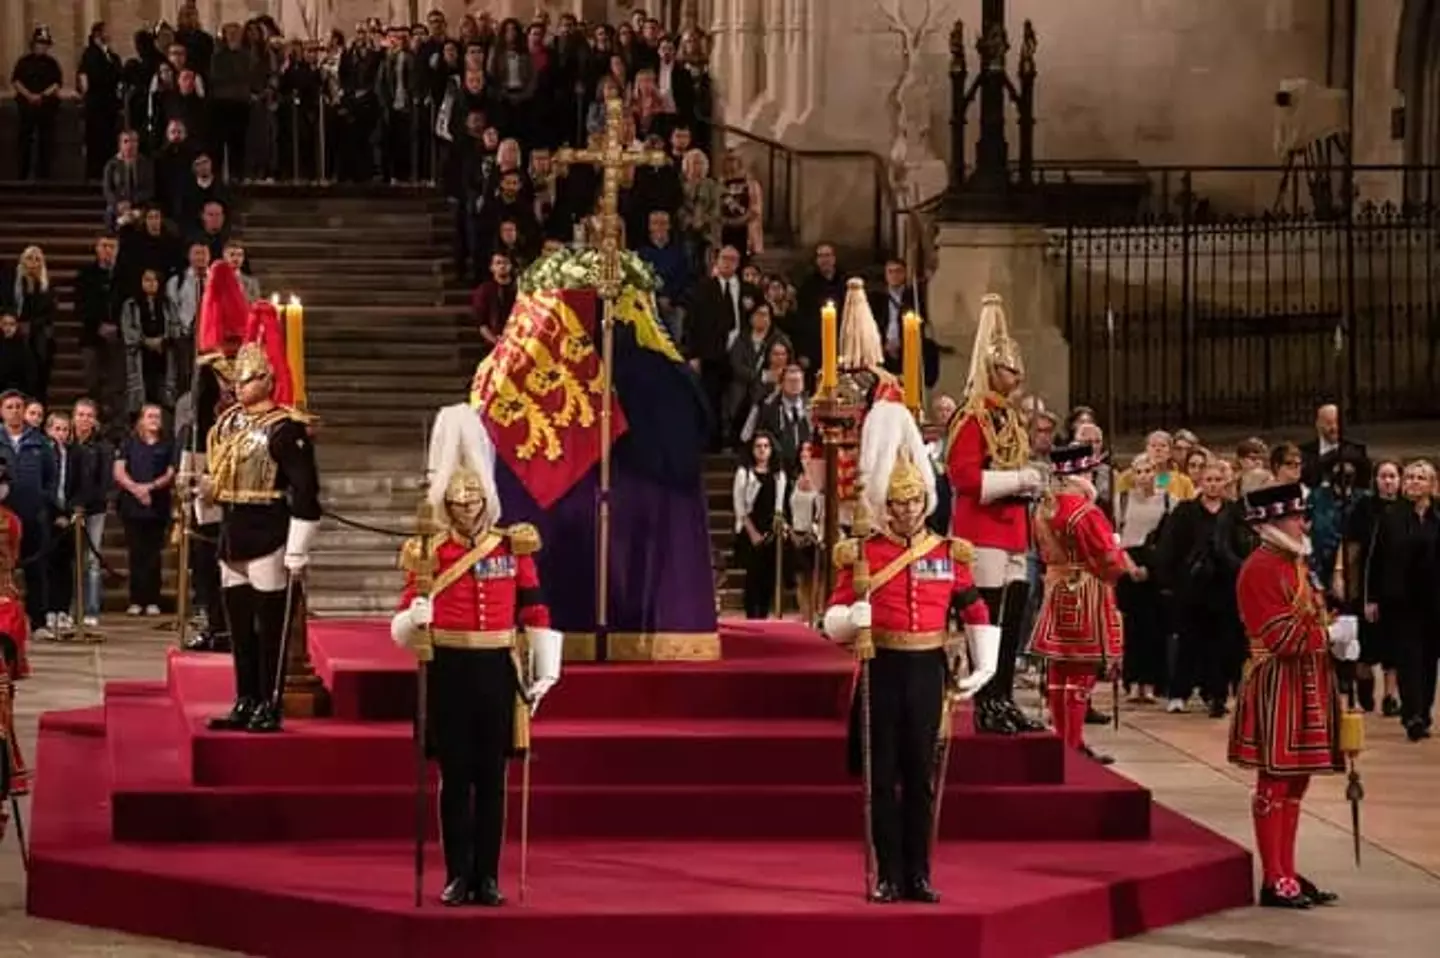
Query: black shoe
point(1390, 706)
point(992, 719)
point(884, 893)
point(487, 893)
point(1365, 693)
point(1021, 721)
point(920, 889)
point(266, 718)
point(1271, 897)
point(1094, 717)
point(207, 641)
point(456, 893)
point(1317, 896)
point(238, 718)
point(1099, 758)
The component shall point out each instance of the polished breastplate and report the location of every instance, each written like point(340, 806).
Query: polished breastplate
point(241, 467)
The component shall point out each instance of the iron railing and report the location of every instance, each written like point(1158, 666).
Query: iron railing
point(1214, 314)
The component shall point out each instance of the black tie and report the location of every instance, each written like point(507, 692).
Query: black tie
point(734, 300)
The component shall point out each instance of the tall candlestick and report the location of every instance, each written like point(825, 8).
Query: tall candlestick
point(829, 348)
point(910, 370)
point(295, 349)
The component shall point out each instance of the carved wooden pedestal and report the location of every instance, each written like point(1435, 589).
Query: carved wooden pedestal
point(305, 695)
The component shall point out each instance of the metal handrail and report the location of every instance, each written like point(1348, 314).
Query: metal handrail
point(782, 162)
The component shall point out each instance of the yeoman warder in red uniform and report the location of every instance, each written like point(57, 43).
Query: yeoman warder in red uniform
point(1078, 627)
point(1287, 716)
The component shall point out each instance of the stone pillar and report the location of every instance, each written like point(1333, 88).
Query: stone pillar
point(1011, 260)
point(1377, 95)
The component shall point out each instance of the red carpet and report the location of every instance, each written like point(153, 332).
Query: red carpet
point(696, 809)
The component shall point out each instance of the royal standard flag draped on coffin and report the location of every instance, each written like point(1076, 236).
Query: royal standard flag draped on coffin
point(539, 394)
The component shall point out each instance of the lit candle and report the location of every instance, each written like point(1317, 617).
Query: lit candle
point(295, 348)
point(910, 370)
point(829, 348)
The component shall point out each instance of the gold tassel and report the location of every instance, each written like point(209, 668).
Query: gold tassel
point(1352, 732)
point(522, 724)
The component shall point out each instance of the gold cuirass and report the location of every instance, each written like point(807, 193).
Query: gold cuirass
point(238, 449)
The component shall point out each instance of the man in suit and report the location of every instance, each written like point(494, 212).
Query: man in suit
point(720, 310)
point(1321, 454)
point(889, 308)
point(785, 414)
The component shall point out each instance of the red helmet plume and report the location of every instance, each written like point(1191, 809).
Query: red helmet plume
point(264, 334)
point(224, 312)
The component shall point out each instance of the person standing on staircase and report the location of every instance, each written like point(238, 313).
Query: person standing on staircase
point(36, 82)
point(915, 576)
point(992, 484)
point(481, 587)
point(261, 474)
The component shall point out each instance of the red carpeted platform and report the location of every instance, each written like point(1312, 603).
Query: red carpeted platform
point(696, 809)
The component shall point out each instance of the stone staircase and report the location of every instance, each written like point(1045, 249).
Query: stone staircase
point(387, 342)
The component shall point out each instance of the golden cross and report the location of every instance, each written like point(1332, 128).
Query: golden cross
point(615, 160)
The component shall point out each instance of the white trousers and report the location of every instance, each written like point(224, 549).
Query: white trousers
point(265, 574)
point(995, 567)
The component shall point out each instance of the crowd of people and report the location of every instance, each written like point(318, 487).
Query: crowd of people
point(1176, 508)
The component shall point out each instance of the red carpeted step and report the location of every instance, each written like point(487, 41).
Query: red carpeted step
point(1105, 807)
point(600, 752)
point(770, 670)
point(649, 900)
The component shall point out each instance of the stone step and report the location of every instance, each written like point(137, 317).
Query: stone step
point(355, 232)
point(338, 605)
point(325, 560)
point(344, 483)
point(418, 406)
point(316, 279)
point(374, 246)
point(420, 380)
point(362, 581)
point(396, 353)
point(334, 296)
point(394, 324)
point(382, 415)
point(368, 266)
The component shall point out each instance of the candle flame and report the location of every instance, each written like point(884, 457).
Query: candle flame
point(294, 300)
point(274, 299)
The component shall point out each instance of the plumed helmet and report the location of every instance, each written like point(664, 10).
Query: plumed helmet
point(462, 461)
point(893, 459)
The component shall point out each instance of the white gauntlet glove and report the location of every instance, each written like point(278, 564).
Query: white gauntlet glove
point(860, 615)
point(984, 641)
point(297, 544)
point(545, 654)
point(1345, 638)
point(407, 623)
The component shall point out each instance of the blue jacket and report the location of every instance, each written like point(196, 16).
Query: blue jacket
point(672, 268)
point(32, 476)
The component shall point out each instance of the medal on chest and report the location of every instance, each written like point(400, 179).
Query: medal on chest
point(932, 570)
point(494, 567)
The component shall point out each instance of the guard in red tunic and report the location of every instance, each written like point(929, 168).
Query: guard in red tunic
point(495, 654)
point(1287, 716)
point(914, 579)
point(1078, 626)
point(14, 776)
point(993, 486)
point(14, 624)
